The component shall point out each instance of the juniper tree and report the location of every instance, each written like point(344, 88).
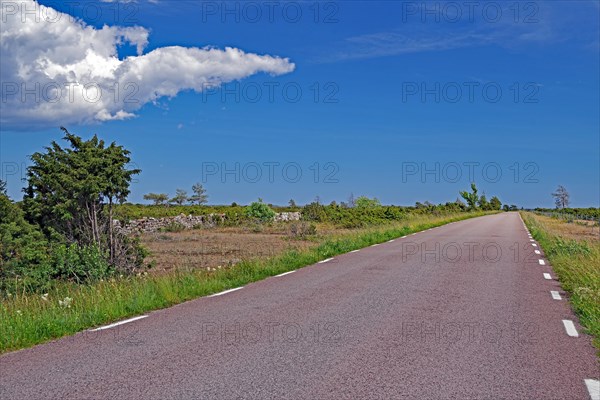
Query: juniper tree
point(71, 191)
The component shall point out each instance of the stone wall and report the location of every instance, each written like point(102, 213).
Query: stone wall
point(147, 225)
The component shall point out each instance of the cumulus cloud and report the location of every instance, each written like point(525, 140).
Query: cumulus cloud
point(56, 70)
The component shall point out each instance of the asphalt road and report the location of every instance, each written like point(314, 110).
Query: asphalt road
point(461, 311)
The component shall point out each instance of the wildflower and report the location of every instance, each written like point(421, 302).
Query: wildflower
point(45, 297)
point(66, 302)
point(19, 312)
point(219, 267)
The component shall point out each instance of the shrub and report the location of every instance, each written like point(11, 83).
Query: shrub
point(314, 212)
point(80, 264)
point(260, 211)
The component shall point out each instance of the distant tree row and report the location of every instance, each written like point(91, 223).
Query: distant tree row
point(181, 197)
point(476, 202)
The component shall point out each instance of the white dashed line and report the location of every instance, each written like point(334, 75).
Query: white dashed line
point(570, 328)
point(542, 262)
point(284, 274)
point(390, 241)
point(226, 291)
point(593, 387)
point(325, 260)
point(537, 252)
point(119, 323)
point(376, 244)
point(547, 276)
point(402, 237)
point(534, 245)
point(354, 251)
point(555, 295)
point(531, 240)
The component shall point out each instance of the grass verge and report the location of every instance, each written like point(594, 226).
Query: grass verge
point(26, 320)
point(575, 262)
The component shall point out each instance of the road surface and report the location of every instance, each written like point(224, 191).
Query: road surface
point(462, 311)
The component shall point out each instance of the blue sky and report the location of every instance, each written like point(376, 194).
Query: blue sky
point(360, 97)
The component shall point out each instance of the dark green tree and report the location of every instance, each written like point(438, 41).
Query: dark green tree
point(72, 192)
point(22, 245)
point(495, 203)
point(483, 203)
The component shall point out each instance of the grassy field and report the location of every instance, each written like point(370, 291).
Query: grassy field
point(224, 246)
point(574, 253)
point(28, 319)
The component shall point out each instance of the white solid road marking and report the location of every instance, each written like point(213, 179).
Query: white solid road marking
point(542, 262)
point(284, 274)
point(555, 295)
point(119, 323)
point(534, 245)
point(547, 276)
point(354, 251)
point(325, 260)
point(537, 252)
point(570, 328)
point(593, 387)
point(226, 291)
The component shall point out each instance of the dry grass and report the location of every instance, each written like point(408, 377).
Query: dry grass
point(213, 247)
point(577, 230)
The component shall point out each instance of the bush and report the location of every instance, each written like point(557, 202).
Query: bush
point(260, 211)
point(30, 262)
point(314, 212)
point(80, 264)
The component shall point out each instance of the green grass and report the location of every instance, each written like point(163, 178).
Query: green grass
point(577, 265)
point(27, 319)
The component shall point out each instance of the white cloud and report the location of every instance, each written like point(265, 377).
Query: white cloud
point(57, 70)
